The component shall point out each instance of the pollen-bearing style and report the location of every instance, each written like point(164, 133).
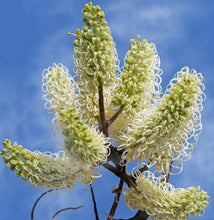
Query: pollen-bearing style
point(114, 116)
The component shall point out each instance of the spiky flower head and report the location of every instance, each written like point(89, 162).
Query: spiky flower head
point(46, 170)
point(96, 61)
point(95, 53)
point(162, 201)
point(140, 78)
point(139, 84)
point(59, 88)
point(81, 141)
point(169, 131)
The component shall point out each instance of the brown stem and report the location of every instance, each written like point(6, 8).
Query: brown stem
point(114, 117)
point(94, 202)
point(117, 198)
point(115, 155)
point(112, 169)
point(61, 210)
point(168, 174)
point(128, 179)
point(34, 206)
point(103, 128)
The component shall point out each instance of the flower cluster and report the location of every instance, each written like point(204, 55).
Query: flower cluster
point(81, 141)
point(95, 61)
point(170, 131)
point(140, 76)
point(162, 201)
point(102, 110)
point(46, 170)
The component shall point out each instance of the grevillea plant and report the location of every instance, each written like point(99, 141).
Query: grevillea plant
point(117, 118)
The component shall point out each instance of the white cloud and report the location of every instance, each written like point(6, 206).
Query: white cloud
point(159, 22)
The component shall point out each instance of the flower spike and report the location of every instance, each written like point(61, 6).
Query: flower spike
point(139, 84)
point(80, 141)
point(46, 170)
point(162, 201)
point(96, 61)
point(140, 77)
point(171, 130)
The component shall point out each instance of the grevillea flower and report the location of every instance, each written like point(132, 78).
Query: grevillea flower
point(81, 141)
point(138, 85)
point(95, 61)
point(46, 170)
point(170, 131)
point(85, 147)
point(140, 77)
point(162, 201)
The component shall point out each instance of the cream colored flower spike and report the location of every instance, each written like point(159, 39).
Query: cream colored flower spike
point(140, 79)
point(162, 201)
point(59, 88)
point(139, 84)
point(47, 170)
point(96, 61)
point(169, 132)
point(81, 141)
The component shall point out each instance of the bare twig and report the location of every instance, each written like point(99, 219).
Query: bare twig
point(108, 215)
point(69, 208)
point(94, 202)
point(114, 117)
point(34, 206)
point(128, 179)
point(117, 197)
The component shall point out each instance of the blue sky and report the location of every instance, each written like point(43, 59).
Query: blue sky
point(34, 35)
